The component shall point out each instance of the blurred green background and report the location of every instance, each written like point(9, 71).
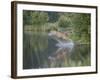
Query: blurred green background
point(37, 46)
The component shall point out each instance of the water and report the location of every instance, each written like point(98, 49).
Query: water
point(40, 51)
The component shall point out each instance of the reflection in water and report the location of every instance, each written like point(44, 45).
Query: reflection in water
point(43, 51)
point(64, 49)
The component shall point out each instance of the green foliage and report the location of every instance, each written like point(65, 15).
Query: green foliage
point(39, 18)
point(51, 26)
point(53, 16)
point(64, 22)
point(81, 25)
point(27, 18)
point(35, 18)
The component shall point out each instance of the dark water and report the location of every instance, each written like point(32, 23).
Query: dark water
point(37, 48)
